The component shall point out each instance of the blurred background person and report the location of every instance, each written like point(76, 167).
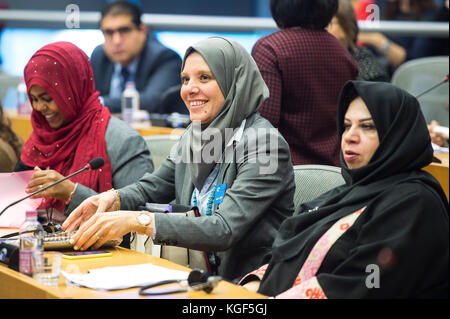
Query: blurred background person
point(132, 53)
point(395, 50)
point(423, 11)
point(10, 145)
point(439, 138)
point(305, 68)
point(344, 26)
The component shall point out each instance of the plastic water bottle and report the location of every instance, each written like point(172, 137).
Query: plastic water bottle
point(23, 103)
point(130, 102)
point(31, 242)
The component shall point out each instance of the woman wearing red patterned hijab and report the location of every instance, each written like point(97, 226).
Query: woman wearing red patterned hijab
point(68, 120)
point(69, 125)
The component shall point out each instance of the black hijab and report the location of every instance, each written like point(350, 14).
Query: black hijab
point(404, 148)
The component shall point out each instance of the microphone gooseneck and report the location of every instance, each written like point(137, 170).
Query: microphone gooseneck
point(446, 79)
point(94, 164)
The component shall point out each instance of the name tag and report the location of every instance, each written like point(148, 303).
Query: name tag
point(220, 193)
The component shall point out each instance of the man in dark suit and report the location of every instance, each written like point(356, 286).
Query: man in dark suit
point(131, 53)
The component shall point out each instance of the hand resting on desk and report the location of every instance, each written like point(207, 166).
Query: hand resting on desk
point(103, 202)
point(103, 227)
point(99, 221)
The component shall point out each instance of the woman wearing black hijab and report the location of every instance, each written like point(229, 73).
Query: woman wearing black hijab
point(385, 233)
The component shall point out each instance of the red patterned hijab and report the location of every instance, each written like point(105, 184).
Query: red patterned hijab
point(65, 73)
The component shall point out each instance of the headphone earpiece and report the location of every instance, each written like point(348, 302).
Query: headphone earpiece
point(197, 276)
point(199, 279)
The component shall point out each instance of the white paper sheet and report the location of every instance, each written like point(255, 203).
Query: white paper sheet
point(438, 149)
point(123, 277)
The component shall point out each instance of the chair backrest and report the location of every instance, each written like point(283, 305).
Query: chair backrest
point(418, 75)
point(314, 180)
point(160, 146)
point(7, 81)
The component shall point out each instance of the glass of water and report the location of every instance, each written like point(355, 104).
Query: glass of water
point(47, 269)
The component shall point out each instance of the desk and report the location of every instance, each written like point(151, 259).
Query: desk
point(440, 171)
point(21, 125)
point(19, 286)
point(147, 130)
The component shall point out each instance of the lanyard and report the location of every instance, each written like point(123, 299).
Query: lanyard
point(212, 194)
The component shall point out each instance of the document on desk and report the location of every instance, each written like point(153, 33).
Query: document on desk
point(439, 149)
point(12, 188)
point(123, 277)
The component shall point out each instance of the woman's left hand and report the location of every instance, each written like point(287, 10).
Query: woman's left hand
point(102, 227)
point(42, 178)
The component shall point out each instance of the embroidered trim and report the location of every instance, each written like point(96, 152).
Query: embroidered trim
point(310, 289)
point(306, 285)
point(323, 245)
point(259, 273)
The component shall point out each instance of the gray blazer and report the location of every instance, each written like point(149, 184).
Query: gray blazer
point(129, 157)
point(242, 228)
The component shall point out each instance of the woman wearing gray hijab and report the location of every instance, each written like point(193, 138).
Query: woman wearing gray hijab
point(230, 163)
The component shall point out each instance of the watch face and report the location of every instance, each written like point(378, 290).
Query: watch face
point(144, 219)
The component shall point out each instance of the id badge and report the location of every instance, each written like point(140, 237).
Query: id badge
point(220, 193)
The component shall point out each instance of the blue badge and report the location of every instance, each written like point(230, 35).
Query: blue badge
point(220, 193)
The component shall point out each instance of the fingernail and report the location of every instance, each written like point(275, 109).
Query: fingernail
point(75, 247)
point(71, 240)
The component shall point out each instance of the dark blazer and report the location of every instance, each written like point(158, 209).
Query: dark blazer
point(158, 69)
point(242, 228)
point(305, 71)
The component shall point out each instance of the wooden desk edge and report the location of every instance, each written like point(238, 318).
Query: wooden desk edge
point(20, 286)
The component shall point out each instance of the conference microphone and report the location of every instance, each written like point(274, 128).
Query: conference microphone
point(94, 164)
point(433, 87)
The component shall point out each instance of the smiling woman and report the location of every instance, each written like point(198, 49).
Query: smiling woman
point(240, 203)
point(200, 91)
point(43, 103)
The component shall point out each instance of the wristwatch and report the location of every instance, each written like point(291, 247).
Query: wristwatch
point(386, 47)
point(144, 220)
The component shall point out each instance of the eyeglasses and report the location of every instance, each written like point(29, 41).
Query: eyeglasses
point(123, 32)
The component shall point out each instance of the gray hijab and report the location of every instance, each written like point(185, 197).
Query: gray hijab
point(244, 91)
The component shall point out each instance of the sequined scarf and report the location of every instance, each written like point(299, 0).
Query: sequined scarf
point(65, 73)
